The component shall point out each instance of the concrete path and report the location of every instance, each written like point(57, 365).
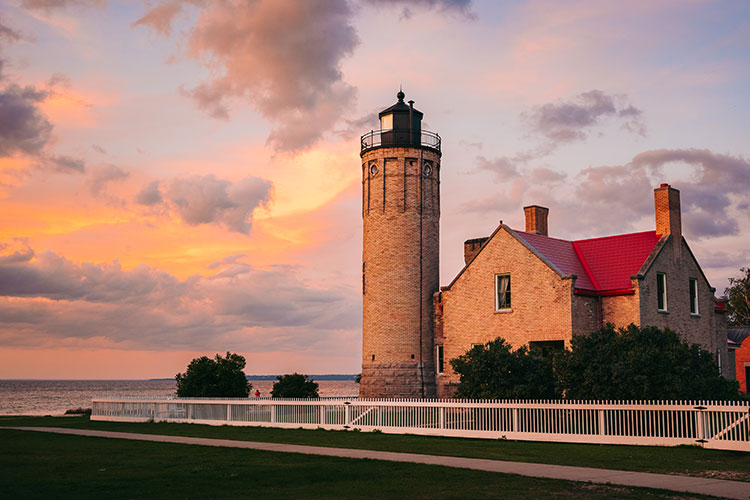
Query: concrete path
point(715, 487)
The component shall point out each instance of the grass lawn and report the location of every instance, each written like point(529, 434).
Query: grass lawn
point(668, 460)
point(40, 465)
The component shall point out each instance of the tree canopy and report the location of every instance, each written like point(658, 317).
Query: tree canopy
point(495, 371)
point(738, 293)
point(643, 363)
point(214, 378)
point(294, 386)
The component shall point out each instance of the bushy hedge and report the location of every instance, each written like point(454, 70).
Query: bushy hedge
point(495, 371)
point(214, 378)
point(633, 363)
point(294, 386)
point(639, 363)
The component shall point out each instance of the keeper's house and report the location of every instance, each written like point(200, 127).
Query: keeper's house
point(532, 289)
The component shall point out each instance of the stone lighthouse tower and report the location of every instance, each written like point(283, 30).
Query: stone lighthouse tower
point(400, 256)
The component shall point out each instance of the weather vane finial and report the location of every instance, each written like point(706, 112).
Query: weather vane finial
point(400, 94)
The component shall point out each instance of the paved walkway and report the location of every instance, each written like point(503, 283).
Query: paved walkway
point(716, 487)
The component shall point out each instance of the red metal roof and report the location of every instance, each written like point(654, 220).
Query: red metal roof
point(602, 264)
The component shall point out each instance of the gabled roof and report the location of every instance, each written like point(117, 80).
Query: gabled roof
point(603, 265)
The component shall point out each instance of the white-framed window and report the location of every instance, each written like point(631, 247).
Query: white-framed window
point(661, 291)
point(694, 296)
point(502, 292)
point(439, 358)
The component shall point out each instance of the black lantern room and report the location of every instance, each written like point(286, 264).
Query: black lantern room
point(400, 125)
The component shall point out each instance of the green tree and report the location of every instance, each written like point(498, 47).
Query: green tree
point(494, 371)
point(294, 386)
point(214, 378)
point(738, 293)
point(640, 363)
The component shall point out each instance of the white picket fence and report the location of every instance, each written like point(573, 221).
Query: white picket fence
point(721, 425)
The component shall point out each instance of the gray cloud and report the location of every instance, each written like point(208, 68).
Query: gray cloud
point(61, 163)
point(149, 194)
point(208, 199)
point(148, 308)
point(284, 55)
point(48, 5)
point(160, 18)
point(504, 168)
point(23, 128)
point(458, 6)
point(102, 175)
point(15, 251)
point(715, 182)
point(8, 34)
point(572, 121)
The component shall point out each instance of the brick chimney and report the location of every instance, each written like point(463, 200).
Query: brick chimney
point(471, 248)
point(668, 216)
point(536, 219)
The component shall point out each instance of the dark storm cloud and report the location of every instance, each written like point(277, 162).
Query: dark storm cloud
point(562, 122)
point(148, 308)
point(23, 128)
point(210, 200)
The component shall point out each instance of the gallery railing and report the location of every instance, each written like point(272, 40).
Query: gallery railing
point(390, 138)
point(722, 425)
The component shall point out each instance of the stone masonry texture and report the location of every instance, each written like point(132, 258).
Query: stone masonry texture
point(398, 197)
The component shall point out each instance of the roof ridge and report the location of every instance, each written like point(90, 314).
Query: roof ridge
point(613, 236)
point(585, 265)
point(545, 236)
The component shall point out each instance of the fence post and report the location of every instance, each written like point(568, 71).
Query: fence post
point(347, 414)
point(699, 430)
point(515, 419)
point(442, 417)
point(322, 414)
point(273, 413)
point(602, 429)
point(154, 413)
point(229, 412)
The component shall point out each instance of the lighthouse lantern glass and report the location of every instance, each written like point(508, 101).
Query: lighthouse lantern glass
point(386, 122)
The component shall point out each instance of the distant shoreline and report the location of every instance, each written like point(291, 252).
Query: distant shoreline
point(324, 377)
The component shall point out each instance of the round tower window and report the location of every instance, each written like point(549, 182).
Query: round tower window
point(427, 170)
point(373, 169)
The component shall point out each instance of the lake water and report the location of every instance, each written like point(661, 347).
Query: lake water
point(53, 397)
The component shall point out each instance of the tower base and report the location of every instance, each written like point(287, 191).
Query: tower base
point(397, 380)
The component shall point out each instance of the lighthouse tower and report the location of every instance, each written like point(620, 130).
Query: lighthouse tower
point(400, 255)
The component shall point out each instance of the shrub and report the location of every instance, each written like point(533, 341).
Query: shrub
point(294, 386)
point(643, 363)
point(494, 371)
point(214, 378)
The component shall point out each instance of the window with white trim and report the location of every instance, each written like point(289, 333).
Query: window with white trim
point(694, 296)
point(439, 363)
point(502, 292)
point(661, 291)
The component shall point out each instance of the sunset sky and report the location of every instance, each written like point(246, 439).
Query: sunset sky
point(180, 178)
